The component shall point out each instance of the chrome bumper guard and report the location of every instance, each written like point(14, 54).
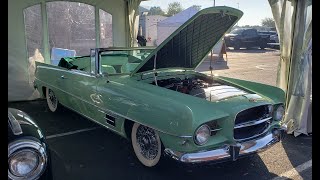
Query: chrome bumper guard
point(230, 152)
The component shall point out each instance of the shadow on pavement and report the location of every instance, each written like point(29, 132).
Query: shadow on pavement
point(299, 151)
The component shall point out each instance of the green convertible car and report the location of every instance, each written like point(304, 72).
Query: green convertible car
point(156, 99)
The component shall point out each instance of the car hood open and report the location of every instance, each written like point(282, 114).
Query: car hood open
point(191, 42)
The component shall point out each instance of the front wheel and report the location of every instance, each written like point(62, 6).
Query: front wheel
point(236, 45)
point(146, 144)
point(52, 100)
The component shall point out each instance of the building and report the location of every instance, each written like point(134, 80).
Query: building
point(148, 27)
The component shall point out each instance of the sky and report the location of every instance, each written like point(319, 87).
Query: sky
point(253, 10)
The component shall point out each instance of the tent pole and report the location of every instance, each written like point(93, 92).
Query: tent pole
point(45, 33)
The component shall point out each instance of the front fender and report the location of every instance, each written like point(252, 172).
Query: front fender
point(165, 116)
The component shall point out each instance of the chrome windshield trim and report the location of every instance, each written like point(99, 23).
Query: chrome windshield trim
point(251, 123)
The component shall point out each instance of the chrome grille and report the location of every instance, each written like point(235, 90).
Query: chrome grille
point(251, 123)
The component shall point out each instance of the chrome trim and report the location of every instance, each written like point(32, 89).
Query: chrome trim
point(112, 121)
point(126, 48)
point(23, 144)
point(251, 123)
point(234, 120)
point(103, 111)
point(214, 130)
point(252, 137)
point(227, 151)
point(14, 124)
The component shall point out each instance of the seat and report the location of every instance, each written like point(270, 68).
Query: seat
point(108, 69)
point(128, 67)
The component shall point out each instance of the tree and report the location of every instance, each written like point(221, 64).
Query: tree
point(268, 22)
point(197, 7)
point(174, 8)
point(156, 10)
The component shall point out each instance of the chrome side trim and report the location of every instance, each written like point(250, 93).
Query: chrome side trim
point(107, 110)
point(251, 123)
point(110, 121)
point(229, 151)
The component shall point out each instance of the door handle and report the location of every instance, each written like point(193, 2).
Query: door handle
point(63, 77)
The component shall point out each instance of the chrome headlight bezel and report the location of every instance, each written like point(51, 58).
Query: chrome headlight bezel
point(279, 112)
point(24, 145)
point(204, 129)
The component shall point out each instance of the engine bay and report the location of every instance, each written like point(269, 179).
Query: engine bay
point(201, 87)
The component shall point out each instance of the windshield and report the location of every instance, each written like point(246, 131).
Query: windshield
point(122, 61)
point(237, 31)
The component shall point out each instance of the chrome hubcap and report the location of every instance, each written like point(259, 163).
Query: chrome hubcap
point(147, 141)
point(52, 98)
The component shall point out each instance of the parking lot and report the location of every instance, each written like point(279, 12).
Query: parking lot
point(82, 150)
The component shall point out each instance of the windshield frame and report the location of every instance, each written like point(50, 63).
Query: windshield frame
point(95, 55)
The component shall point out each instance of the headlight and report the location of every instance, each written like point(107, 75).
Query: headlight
point(279, 113)
point(26, 159)
point(270, 110)
point(22, 163)
point(202, 134)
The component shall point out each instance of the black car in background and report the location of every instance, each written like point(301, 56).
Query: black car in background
point(246, 37)
point(28, 153)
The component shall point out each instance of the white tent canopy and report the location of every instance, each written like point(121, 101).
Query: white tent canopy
point(169, 25)
point(166, 27)
point(29, 35)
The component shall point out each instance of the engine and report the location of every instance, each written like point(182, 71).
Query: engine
point(193, 86)
point(203, 88)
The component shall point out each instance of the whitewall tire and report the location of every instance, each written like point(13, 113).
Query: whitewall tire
point(146, 144)
point(52, 100)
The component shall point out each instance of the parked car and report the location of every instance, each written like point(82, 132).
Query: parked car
point(246, 37)
point(274, 42)
point(28, 153)
point(156, 99)
point(267, 32)
point(274, 38)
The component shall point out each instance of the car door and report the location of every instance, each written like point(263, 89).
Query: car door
point(112, 102)
point(55, 76)
point(81, 88)
point(246, 36)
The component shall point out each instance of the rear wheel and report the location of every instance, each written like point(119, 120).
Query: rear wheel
point(52, 100)
point(146, 144)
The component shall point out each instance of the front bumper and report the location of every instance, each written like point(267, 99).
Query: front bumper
point(230, 151)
